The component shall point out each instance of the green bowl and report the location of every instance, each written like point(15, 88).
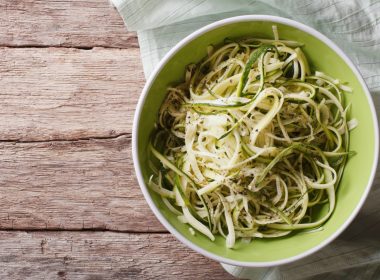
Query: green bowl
point(325, 56)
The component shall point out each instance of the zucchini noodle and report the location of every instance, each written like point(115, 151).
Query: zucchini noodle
point(251, 143)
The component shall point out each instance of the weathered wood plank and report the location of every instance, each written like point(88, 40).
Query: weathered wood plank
point(101, 255)
point(87, 184)
point(72, 23)
point(60, 93)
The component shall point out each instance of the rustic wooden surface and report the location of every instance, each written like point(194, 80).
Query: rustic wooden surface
point(70, 206)
point(100, 255)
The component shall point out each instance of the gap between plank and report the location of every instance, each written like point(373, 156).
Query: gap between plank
point(86, 230)
point(16, 141)
point(66, 47)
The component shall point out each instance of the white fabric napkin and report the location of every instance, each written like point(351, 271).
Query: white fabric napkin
point(353, 25)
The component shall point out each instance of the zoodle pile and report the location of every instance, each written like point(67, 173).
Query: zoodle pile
point(251, 142)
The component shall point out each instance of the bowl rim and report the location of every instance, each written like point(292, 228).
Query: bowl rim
point(151, 79)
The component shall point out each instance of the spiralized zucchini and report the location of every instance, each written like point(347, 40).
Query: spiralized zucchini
point(251, 142)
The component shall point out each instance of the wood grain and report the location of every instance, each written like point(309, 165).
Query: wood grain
point(72, 23)
point(72, 185)
point(101, 255)
point(60, 93)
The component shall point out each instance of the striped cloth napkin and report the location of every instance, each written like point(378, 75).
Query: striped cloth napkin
point(354, 25)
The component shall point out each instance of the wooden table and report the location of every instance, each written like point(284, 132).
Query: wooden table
point(70, 206)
